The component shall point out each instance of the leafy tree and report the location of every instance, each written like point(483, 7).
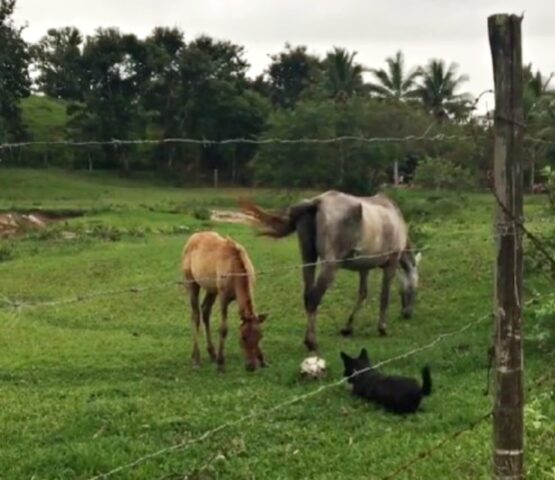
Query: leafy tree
point(215, 103)
point(342, 76)
point(539, 115)
point(291, 74)
point(14, 75)
point(58, 59)
point(114, 77)
point(437, 90)
point(353, 166)
point(394, 82)
point(164, 48)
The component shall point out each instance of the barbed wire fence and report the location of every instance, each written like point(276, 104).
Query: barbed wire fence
point(517, 226)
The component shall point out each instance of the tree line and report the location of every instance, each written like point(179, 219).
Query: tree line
point(115, 85)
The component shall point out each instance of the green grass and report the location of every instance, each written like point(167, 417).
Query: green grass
point(45, 117)
point(89, 386)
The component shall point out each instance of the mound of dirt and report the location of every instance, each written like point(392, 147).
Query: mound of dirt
point(14, 223)
point(229, 216)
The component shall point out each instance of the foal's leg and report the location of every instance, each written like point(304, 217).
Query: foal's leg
point(207, 304)
point(388, 274)
point(314, 297)
point(194, 291)
point(224, 303)
point(362, 294)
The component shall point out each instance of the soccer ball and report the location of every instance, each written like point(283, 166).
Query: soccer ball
point(313, 367)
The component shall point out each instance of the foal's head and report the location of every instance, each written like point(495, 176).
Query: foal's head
point(251, 334)
point(409, 280)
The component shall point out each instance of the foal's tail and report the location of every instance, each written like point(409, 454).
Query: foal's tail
point(426, 381)
point(278, 225)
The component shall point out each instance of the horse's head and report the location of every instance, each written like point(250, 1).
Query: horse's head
point(251, 334)
point(408, 275)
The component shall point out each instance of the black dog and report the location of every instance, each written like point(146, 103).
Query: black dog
point(394, 393)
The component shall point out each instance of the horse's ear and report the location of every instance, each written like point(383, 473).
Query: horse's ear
point(418, 258)
point(363, 354)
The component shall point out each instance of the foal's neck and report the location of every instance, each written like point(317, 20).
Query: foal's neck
point(243, 296)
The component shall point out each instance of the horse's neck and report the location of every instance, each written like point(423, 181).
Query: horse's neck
point(244, 296)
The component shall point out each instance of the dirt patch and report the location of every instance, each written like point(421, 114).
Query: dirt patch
point(229, 216)
point(14, 223)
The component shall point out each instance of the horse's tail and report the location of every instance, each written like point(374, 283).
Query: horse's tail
point(426, 381)
point(279, 225)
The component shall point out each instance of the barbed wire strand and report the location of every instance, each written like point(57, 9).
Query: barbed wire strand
point(243, 140)
point(187, 443)
point(7, 302)
point(428, 453)
point(139, 289)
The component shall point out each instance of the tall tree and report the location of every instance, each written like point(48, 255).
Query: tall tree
point(394, 82)
point(342, 75)
point(292, 72)
point(58, 59)
point(14, 73)
point(161, 97)
point(114, 78)
point(215, 102)
point(539, 115)
point(437, 90)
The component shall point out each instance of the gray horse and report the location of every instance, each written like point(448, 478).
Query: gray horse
point(337, 230)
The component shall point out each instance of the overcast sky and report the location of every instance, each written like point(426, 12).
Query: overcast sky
point(455, 30)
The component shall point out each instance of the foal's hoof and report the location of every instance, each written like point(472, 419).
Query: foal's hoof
point(346, 332)
point(382, 331)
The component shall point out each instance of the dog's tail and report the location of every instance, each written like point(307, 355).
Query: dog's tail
point(426, 381)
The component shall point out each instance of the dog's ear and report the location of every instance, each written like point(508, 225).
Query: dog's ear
point(363, 355)
point(346, 359)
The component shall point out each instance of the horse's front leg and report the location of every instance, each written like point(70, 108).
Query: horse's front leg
point(388, 274)
point(312, 301)
point(194, 291)
point(220, 359)
point(207, 304)
point(362, 294)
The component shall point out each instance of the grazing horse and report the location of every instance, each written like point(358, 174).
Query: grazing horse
point(222, 268)
point(345, 231)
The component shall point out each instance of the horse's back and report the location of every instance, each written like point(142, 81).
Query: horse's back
point(210, 260)
point(359, 226)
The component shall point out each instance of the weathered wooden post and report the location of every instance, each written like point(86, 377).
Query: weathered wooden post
point(505, 42)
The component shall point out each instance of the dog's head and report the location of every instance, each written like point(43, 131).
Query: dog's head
point(354, 365)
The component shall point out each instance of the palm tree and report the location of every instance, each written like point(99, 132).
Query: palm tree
point(539, 112)
point(437, 90)
point(394, 82)
point(342, 75)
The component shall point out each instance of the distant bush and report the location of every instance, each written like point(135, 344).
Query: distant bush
point(439, 173)
point(201, 214)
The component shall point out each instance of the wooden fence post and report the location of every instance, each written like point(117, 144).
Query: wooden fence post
point(505, 43)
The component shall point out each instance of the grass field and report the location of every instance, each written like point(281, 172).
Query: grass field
point(89, 386)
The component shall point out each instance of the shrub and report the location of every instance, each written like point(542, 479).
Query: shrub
point(438, 173)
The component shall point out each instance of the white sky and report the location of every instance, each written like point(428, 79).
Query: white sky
point(455, 30)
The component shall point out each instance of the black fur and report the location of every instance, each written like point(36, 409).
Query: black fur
point(394, 393)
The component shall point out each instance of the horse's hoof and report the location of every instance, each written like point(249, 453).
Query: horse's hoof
point(196, 365)
point(382, 331)
point(212, 356)
point(346, 332)
point(221, 369)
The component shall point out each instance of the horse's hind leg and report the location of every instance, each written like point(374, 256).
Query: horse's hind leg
point(207, 304)
point(362, 294)
point(388, 274)
point(194, 291)
point(313, 299)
